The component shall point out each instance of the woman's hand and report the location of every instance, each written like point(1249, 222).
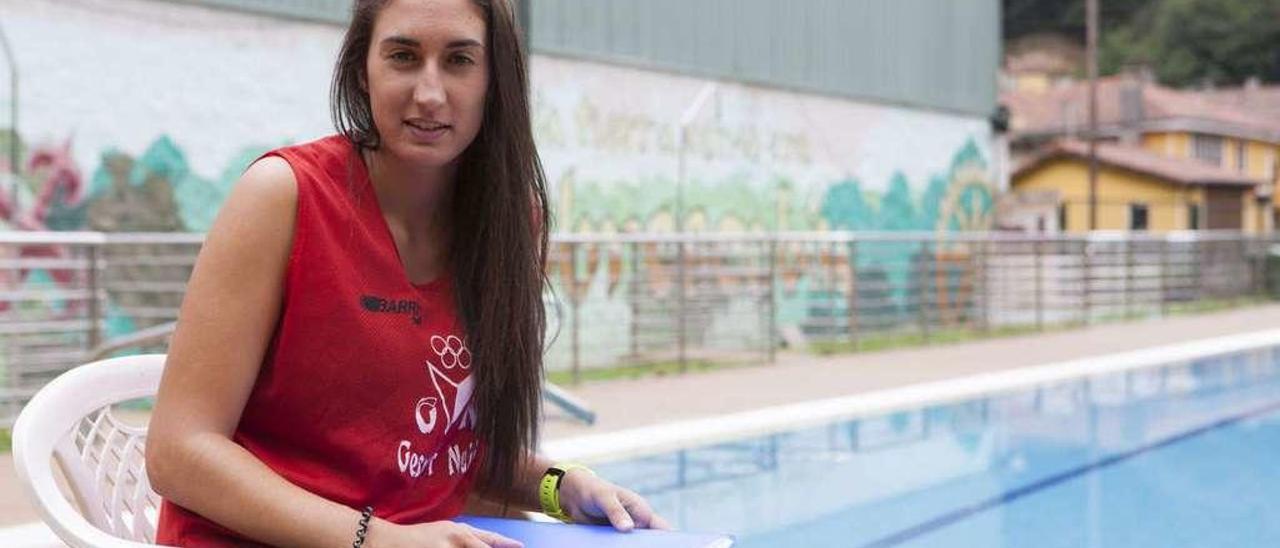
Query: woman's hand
point(437, 534)
point(589, 499)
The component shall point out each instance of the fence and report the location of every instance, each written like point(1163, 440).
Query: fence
point(673, 302)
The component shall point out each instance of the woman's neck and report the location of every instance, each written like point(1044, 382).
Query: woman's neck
point(412, 198)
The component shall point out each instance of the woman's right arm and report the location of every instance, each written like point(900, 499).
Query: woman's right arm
point(227, 319)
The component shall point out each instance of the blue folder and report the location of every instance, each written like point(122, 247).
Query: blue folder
point(537, 535)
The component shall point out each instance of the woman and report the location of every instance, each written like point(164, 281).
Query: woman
point(359, 352)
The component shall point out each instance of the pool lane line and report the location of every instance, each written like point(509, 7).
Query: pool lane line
point(965, 512)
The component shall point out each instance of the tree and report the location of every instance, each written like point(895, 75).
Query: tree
point(845, 209)
point(1185, 42)
point(897, 211)
point(1192, 42)
point(1023, 17)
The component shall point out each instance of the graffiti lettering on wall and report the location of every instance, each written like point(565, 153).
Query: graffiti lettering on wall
point(585, 124)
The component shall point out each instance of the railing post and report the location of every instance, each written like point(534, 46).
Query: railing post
point(1259, 256)
point(1200, 255)
point(682, 308)
point(95, 306)
point(922, 277)
point(984, 273)
point(853, 294)
point(771, 337)
point(1086, 269)
point(1038, 249)
point(1164, 270)
point(633, 292)
point(574, 314)
point(1271, 277)
point(1128, 276)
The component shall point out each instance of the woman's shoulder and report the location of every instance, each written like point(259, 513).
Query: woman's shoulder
point(269, 185)
point(326, 160)
point(256, 218)
point(329, 149)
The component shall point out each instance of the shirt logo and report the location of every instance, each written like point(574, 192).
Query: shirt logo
point(449, 409)
point(451, 353)
point(373, 303)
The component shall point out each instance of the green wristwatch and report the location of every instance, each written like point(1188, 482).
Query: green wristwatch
point(549, 489)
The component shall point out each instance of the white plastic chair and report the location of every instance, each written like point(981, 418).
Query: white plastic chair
point(70, 420)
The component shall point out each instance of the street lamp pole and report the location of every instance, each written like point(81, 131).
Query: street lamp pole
point(1091, 31)
point(682, 144)
point(13, 109)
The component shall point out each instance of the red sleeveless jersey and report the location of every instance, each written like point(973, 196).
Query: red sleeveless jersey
point(364, 394)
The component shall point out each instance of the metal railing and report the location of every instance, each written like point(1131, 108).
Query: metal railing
point(626, 302)
point(744, 296)
point(64, 295)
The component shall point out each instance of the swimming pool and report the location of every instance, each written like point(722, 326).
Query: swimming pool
point(1175, 454)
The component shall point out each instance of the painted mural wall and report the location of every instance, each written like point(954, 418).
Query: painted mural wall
point(156, 107)
point(147, 125)
point(757, 159)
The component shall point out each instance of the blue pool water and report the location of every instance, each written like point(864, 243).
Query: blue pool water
point(1183, 455)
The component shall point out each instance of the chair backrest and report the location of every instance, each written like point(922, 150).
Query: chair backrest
point(70, 421)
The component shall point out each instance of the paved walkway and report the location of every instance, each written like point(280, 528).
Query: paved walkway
point(797, 377)
point(800, 377)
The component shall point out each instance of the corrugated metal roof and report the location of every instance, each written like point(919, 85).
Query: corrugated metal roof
point(936, 54)
point(926, 53)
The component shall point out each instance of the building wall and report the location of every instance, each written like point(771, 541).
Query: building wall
point(1264, 163)
point(149, 124)
point(1171, 144)
point(1260, 158)
point(182, 96)
point(1167, 203)
point(1230, 147)
point(209, 90)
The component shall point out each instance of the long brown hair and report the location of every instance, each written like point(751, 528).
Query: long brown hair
point(498, 246)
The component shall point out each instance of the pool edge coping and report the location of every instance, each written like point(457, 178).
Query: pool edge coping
point(685, 434)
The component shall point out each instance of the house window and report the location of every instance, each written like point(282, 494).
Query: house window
point(1207, 148)
point(1137, 216)
point(1242, 156)
point(1193, 217)
point(1062, 217)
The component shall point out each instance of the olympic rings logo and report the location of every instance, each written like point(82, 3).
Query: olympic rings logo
point(452, 351)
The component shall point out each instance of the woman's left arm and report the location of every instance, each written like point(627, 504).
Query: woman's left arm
point(585, 497)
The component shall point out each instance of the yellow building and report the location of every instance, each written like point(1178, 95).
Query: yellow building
point(1138, 190)
point(1227, 132)
point(1037, 62)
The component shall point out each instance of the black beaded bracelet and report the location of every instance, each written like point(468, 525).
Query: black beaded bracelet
point(364, 527)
